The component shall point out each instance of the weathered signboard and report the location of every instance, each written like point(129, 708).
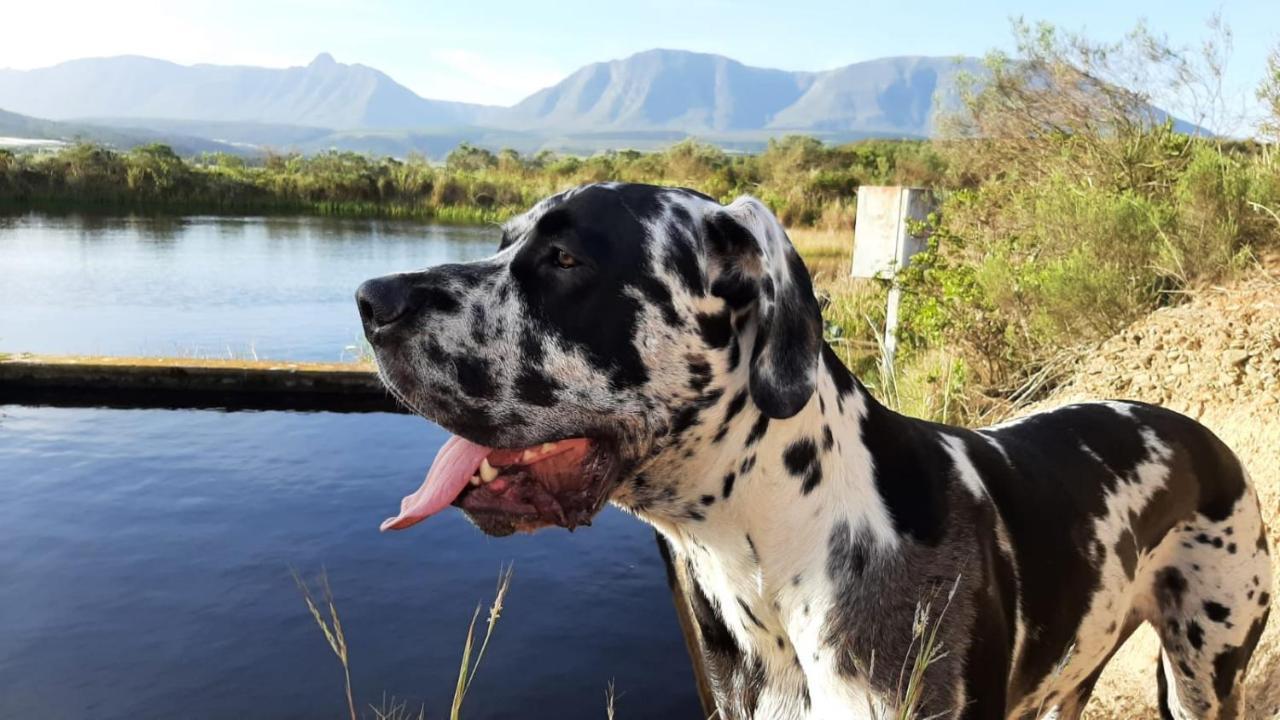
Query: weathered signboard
point(883, 243)
point(882, 240)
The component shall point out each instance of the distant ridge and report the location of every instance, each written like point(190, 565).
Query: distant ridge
point(324, 93)
point(697, 92)
point(647, 100)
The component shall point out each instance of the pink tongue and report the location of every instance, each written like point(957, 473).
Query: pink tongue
point(453, 467)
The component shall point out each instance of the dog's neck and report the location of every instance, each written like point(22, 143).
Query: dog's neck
point(756, 512)
point(772, 483)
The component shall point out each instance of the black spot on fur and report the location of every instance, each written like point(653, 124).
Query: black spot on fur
point(1195, 634)
point(737, 291)
point(728, 484)
point(1172, 587)
point(436, 354)
point(843, 379)
point(747, 463)
point(736, 403)
point(801, 460)
point(1231, 662)
point(699, 373)
point(684, 418)
point(758, 430)
point(473, 376)
point(1217, 612)
point(1264, 599)
point(536, 388)
point(1127, 551)
point(660, 296)
point(716, 330)
point(828, 439)
point(530, 346)
point(436, 299)
point(767, 287)
point(707, 499)
point(681, 261)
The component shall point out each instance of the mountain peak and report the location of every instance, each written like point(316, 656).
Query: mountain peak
point(322, 60)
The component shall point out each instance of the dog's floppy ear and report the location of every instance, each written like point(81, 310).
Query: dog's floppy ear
point(755, 262)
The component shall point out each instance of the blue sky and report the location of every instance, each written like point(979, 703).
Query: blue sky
point(499, 51)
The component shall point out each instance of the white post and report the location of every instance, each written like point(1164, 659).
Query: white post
point(891, 323)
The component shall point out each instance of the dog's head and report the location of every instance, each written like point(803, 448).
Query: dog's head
point(610, 319)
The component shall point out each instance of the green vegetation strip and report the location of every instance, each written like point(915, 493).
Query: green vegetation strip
point(80, 380)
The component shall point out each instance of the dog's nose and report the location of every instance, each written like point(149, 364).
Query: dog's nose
point(383, 300)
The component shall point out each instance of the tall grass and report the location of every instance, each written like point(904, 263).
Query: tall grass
point(325, 614)
point(331, 625)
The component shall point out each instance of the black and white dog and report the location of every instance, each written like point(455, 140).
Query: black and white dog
point(650, 347)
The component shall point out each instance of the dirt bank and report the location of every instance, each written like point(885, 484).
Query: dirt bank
point(1217, 359)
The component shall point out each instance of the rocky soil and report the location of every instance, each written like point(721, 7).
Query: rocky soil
point(1217, 359)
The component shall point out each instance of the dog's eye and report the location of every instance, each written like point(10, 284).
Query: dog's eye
point(565, 260)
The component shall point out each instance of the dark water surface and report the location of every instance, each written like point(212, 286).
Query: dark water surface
point(145, 555)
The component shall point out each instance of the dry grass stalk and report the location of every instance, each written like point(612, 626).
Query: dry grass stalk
point(331, 626)
point(467, 670)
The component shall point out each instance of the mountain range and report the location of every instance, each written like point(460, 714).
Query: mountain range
point(647, 100)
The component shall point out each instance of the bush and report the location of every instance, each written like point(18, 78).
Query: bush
point(1075, 210)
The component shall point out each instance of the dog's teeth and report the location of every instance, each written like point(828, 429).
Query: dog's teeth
point(475, 480)
point(487, 471)
point(526, 456)
point(548, 447)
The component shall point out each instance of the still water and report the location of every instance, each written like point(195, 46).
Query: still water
point(145, 556)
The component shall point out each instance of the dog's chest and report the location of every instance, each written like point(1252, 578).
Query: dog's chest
point(785, 666)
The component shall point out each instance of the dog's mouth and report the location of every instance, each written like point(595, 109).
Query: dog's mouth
point(563, 482)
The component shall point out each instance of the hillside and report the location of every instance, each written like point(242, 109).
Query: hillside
point(664, 89)
point(1217, 359)
point(13, 125)
point(324, 93)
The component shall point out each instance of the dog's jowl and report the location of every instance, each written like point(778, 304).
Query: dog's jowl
point(652, 348)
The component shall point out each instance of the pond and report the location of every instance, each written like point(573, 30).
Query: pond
point(146, 556)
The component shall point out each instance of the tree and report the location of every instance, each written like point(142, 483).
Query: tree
point(469, 158)
point(1269, 94)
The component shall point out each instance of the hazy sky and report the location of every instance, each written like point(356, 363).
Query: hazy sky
point(500, 51)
